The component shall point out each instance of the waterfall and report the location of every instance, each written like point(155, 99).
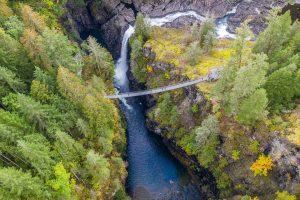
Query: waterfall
point(152, 170)
point(121, 79)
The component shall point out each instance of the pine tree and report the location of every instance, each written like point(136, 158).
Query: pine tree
point(98, 167)
point(58, 50)
point(43, 117)
point(141, 27)
point(70, 86)
point(281, 88)
point(40, 92)
point(18, 185)
point(253, 108)
point(13, 57)
point(36, 150)
point(9, 79)
point(241, 52)
point(223, 87)
point(193, 53)
point(101, 60)
point(14, 27)
point(248, 80)
point(270, 41)
point(69, 150)
point(209, 126)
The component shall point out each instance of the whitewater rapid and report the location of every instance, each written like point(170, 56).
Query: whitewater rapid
point(121, 79)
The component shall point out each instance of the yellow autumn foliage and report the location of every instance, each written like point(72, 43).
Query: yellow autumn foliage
point(294, 120)
point(33, 19)
point(4, 9)
point(171, 44)
point(262, 165)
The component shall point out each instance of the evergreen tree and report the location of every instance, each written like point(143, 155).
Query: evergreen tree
point(225, 84)
point(13, 57)
point(281, 88)
point(36, 150)
point(14, 27)
point(59, 50)
point(209, 126)
point(12, 128)
point(70, 86)
point(248, 80)
point(100, 60)
point(241, 52)
point(15, 184)
point(223, 87)
point(138, 62)
point(193, 53)
point(43, 117)
point(40, 92)
point(275, 35)
point(167, 109)
point(253, 108)
point(69, 150)
point(142, 27)
point(9, 79)
point(98, 167)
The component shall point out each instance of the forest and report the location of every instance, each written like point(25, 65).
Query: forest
point(60, 139)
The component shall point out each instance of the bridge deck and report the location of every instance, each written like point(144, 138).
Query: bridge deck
point(158, 90)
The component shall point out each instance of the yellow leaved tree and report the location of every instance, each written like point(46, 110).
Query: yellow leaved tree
point(262, 165)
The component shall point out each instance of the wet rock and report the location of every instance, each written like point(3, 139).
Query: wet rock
point(287, 159)
point(113, 16)
point(255, 11)
point(115, 27)
point(181, 22)
point(211, 8)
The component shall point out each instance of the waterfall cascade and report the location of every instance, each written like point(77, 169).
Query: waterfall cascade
point(153, 172)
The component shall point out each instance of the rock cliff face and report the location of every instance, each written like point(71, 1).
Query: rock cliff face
point(255, 11)
point(111, 17)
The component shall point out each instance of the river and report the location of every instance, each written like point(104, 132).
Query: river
point(153, 173)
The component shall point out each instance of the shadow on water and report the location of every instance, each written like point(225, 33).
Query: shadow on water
point(153, 172)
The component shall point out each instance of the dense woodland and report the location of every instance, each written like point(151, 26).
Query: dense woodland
point(60, 139)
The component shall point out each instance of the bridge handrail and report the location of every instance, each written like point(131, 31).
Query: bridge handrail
point(159, 89)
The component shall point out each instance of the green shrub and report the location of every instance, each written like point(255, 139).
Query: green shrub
point(235, 155)
point(254, 147)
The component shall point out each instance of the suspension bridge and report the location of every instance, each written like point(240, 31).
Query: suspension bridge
point(212, 76)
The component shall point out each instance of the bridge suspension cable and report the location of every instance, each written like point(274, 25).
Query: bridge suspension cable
point(158, 90)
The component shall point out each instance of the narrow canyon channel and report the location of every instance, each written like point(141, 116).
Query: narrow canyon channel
point(153, 172)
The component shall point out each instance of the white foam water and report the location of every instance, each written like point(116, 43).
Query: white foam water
point(121, 79)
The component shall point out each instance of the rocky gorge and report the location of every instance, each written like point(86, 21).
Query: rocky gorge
point(111, 18)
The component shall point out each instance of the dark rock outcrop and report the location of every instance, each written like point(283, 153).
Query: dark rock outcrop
point(111, 17)
point(255, 11)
